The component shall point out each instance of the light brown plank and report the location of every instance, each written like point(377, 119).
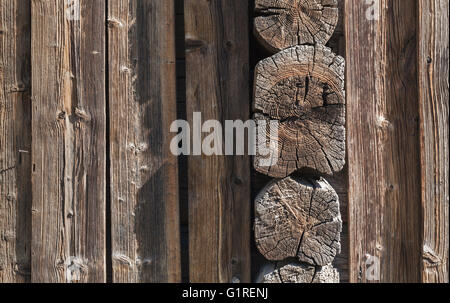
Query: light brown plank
point(144, 173)
point(383, 140)
point(434, 114)
point(217, 79)
point(69, 127)
point(15, 141)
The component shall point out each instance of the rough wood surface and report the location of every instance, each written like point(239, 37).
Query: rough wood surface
point(15, 141)
point(298, 218)
point(434, 107)
point(301, 273)
point(144, 176)
point(383, 146)
point(303, 88)
point(280, 24)
point(68, 146)
point(217, 76)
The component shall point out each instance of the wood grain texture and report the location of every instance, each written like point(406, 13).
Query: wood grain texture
point(15, 141)
point(68, 148)
point(219, 187)
point(298, 217)
point(280, 24)
point(383, 144)
point(434, 113)
point(144, 173)
point(303, 88)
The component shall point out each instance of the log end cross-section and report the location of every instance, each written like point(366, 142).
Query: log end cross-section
point(284, 23)
point(298, 218)
point(301, 273)
point(302, 88)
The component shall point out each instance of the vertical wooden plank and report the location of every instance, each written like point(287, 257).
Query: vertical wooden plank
point(434, 114)
point(15, 141)
point(219, 187)
point(383, 141)
point(68, 109)
point(144, 173)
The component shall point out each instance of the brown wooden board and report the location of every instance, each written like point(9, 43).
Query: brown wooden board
point(144, 174)
point(434, 135)
point(15, 141)
point(383, 141)
point(219, 187)
point(68, 146)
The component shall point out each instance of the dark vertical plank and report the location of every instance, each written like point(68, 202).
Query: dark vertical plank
point(434, 114)
point(15, 141)
point(383, 141)
point(68, 148)
point(144, 173)
point(219, 187)
point(339, 181)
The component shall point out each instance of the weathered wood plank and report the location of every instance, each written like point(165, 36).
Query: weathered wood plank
point(383, 140)
point(68, 148)
point(15, 141)
point(144, 174)
point(434, 113)
point(219, 187)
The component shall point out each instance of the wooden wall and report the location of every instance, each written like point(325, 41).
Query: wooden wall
point(89, 191)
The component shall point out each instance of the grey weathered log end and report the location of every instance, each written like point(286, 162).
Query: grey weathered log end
point(301, 273)
point(299, 218)
point(284, 23)
point(303, 88)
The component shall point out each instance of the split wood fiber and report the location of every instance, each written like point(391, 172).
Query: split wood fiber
point(144, 174)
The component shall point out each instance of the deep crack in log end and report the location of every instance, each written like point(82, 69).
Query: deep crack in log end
point(296, 217)
point(280, 24)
